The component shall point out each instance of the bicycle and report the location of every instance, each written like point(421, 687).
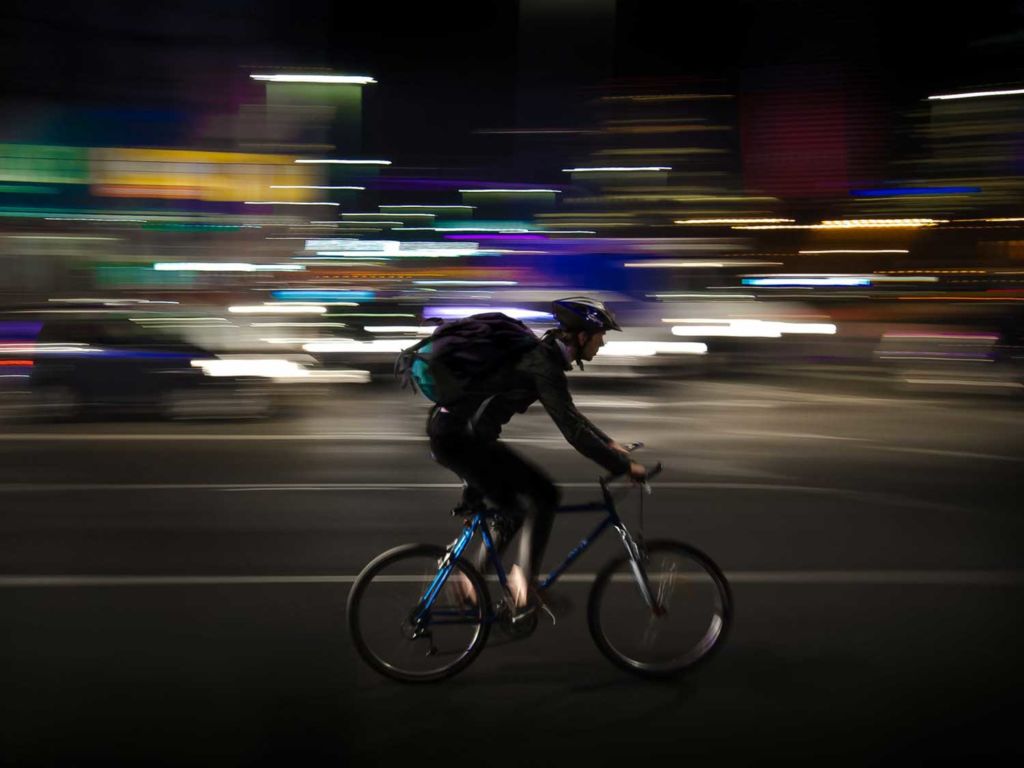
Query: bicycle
point(659, 610)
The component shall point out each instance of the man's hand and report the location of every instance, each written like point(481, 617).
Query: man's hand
point(637, 472)
point(618, 448)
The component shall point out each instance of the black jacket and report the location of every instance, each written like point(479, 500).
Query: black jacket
point(537, 375)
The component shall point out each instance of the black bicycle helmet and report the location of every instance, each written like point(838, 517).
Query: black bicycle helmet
point(579, 313)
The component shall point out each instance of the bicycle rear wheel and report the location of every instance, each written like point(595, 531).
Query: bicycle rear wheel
point(697, 611)
point(396, 636)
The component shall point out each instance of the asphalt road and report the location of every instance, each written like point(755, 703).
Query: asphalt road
point(173, 593)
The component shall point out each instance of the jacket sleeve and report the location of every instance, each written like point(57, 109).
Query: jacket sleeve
point(553, 393)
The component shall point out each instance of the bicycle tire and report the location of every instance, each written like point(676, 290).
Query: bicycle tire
point(615, 596)
point(407, 570)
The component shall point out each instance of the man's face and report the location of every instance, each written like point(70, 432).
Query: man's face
point(589, 347)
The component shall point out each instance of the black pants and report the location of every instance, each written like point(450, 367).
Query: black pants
point(520, 489)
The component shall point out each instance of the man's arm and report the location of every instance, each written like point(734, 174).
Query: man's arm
point(553, 392)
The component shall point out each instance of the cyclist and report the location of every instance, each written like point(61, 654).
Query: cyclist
point(464, 437)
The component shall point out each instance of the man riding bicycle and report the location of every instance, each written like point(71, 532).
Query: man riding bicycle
point(464, 436)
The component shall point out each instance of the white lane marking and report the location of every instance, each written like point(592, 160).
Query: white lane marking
point(951, 454)
point(611, 402)
point(792, 435)
point(906, 577)
point(171, 437)
point(863, 496)
point(722, 404)
point(69, 437)
point(870, 444)
point(964, 382)
point(252, 487)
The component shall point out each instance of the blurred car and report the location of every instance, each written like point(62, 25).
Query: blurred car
point(99, 362)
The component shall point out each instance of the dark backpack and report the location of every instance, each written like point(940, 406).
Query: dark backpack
point(451, 363)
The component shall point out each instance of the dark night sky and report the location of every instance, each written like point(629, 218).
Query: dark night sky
point(445, 69)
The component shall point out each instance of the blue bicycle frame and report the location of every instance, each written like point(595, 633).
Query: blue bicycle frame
point(474, 523)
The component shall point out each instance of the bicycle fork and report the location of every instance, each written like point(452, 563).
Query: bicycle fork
point(636, 563)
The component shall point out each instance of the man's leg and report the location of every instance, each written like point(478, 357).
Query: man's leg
point(516, 486)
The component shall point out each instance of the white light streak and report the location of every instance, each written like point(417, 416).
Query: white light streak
point(385, 215)
point(284, 202)
point(901, 279)
point(499, 230)
point(855, 224)
point(377, 346)
point(735, 221)
point(327, 161)
point(809, 281)
point(414, 254)
point(422, 330)
point(696, 264)
point(766, 329)
point(618, 169)
point(464, 282)
point(976, 94)
point(269, 368)
point(506, 191)
point(652, 348)
point(214, 266)
point(114, 219)
point(47, 349)
point(309, 186)
point(59, 237)
point(297, 325)
point(353, 221)
point(327, 79)
point(874, 223)
point(278, 309)
point(431, 207)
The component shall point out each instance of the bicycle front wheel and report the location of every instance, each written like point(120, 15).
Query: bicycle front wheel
point(398, 634)
point(692, 615)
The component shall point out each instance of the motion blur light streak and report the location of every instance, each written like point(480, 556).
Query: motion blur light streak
point(695, 264)
point(854, 224)
point(431, 207)
point(915, 191)
point(617, 169)
point(297, 325)
point(327, 79)
point(268, 368)
point(853, 251)
point(274, 309)
point(464, 282)
point(733, 221)
point(651, 348)
point(325, 161)
point(385, 215)
point(224, 266)
point(872, 223)
point(300, 294)
point(455, 313)
point(377, 346)
point(976, 95)
point(310, 186)
point(60, 237)
point(507, 191)
point(751, 328)
point(284, 202)
point(806, 281)
point(399, 329)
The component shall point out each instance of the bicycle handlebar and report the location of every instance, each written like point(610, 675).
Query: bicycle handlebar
point(650, 475)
